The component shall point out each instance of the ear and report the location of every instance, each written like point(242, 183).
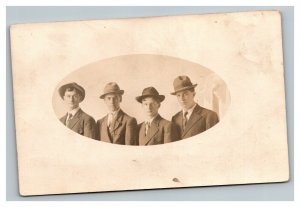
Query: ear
point(80, 97)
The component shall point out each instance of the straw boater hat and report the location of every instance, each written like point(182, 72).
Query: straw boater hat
point(79, 88)
point(150, 92)
point(182, 83)
point(111, 87)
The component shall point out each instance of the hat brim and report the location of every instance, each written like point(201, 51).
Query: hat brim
point(184, 88)
point(161, 98)
point(63, 88)
point(121, 92)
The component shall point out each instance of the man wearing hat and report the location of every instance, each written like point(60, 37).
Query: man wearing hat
point(116, 127)
point(155, 129)
point(192, 119)
point(76, 119)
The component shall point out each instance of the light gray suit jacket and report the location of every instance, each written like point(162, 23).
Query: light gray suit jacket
point(124, 130)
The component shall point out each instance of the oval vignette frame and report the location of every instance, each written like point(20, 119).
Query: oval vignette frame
point(135, 72)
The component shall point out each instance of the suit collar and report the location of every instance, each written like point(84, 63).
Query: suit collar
point(75, 118)
point(154, 128)
point(119, 118)
point(74, 111)
point(195, 116)
point(190, 111)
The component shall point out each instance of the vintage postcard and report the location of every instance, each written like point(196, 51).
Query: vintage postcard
point(144, 103)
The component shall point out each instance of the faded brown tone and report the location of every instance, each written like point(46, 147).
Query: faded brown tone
point(248, 145)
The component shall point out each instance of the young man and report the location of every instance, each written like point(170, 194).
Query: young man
point(116, 127)
point(76, 119)
point(155, 129)
point(192, 119)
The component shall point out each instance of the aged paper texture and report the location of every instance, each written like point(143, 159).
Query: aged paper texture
point(233, 61)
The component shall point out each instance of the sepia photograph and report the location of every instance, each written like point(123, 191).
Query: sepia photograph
point(150, 102)
point(141, 109)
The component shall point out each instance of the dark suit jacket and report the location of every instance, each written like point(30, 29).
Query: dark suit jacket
point(124, 132)
point(200, 120)
point(161, 131)
point(81, 123)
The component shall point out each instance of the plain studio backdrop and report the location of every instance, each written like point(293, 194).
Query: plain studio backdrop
point(135, 72)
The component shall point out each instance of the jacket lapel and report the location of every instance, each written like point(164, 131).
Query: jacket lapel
point(142, 137)
point(154, 128)
point(104, 131)
point(75, 119)
point(118, 121)
point(193, 119)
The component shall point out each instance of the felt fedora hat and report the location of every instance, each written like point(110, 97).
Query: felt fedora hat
point(111, 87)
point(79, 88)
point(150, 92)
point(182, 83)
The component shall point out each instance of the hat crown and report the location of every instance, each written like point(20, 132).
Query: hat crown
point(181, 82)
point(111, 88)
point(79, 88)
point(151, 91)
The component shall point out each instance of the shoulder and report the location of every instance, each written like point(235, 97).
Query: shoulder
point(177, 115)
point(207, 113)
point(99, 121)
point(165, 122)
point(140, 125)
point(127, 118)
point(86, 117)
point(63, 117)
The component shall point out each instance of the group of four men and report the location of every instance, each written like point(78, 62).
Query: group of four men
point(119, 128)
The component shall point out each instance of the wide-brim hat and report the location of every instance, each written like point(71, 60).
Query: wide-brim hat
point(150, 92)
point(110, 88)
point(79, 88)
point(182, 83)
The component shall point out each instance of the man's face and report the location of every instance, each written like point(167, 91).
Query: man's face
point(112, 101)
point(72, 99)
point(150, 106)
point(185, 98)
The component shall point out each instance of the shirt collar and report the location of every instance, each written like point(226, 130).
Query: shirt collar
point(74, 111)
point(114, 113)
point(151, 120)
point(190, 110)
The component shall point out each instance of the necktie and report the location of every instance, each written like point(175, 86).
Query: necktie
point(68, 119)
point(111, 122)
point(147, 126)
point(184, 121)
point(110, 118)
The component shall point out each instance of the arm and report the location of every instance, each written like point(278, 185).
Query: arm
point(131, 132)
point(211, 120)
point(170, 133)
point(90, 128)
point(98, 129)
point(175, 130)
